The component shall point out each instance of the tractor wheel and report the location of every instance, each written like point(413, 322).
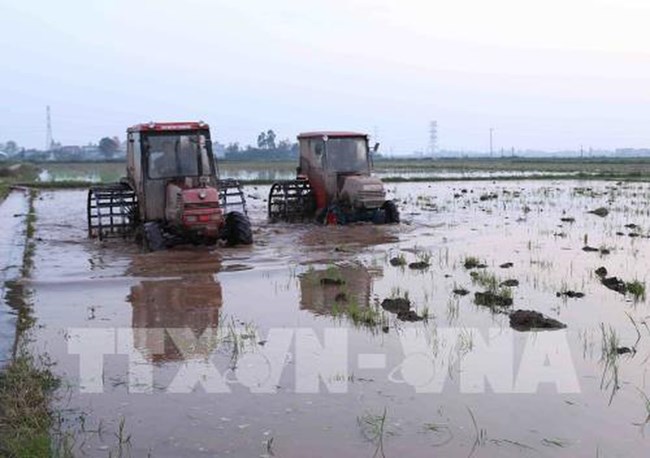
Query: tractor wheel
point(390, 209)
point(237, 230)
point(153, 239)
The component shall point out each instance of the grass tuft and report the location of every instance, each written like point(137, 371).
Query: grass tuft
point(637, 289)
point(25, 388)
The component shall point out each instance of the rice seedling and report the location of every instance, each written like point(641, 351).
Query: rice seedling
point(609, 359)
point(373, 429)
point(472, 262)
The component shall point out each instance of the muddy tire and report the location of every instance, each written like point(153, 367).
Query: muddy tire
point(391, 212)
point(237, 230)
point(152, 237)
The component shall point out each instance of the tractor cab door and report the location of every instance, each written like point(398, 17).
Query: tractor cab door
point(184, 158)
point(345, 157)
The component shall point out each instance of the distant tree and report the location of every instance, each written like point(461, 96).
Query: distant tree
point(11, 147)
point(284, 145)
point(270, 139)
point(261, 140)
point(232, 148)
point(108, 146)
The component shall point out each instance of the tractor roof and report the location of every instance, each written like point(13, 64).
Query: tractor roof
point(168, 126)
point(329, 133)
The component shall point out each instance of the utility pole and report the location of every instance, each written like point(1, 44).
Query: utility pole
point(491, 131)
point(433, 138)
point(48, 135)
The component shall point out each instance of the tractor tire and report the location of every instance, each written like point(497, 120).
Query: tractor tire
point(237, 230)
point(391, 211)
point(153, 239)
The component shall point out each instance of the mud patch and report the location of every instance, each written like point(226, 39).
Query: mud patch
point(529, 320)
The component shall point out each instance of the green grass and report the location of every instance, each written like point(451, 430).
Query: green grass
point(25, 389)
point(485, 279)
point(637, 289)
point(12, 174)
point(373, 427)
point(609, 359)
point(471, 262)
point(369, 317)
point(26, 384)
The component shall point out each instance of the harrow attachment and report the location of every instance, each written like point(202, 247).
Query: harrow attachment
point(291, 200)
point(231, 196)
point(112, 210)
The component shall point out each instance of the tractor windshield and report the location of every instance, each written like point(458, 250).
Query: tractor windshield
point(177, 155)
point(347, 154)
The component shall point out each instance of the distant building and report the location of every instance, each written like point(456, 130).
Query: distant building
point(632, 152)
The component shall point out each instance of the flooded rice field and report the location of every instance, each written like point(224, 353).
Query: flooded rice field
point(361, 340)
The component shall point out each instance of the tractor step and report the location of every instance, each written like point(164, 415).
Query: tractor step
point(112, 210)
point(291, 200)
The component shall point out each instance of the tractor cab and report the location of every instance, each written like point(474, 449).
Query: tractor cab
point(338, 165)
point(172, 169)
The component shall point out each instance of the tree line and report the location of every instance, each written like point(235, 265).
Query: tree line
point(268, 148)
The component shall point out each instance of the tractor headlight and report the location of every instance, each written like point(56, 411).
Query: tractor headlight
point(191, 219)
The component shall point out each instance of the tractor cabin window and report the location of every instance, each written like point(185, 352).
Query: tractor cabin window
point(173, 156)
point(347, 154)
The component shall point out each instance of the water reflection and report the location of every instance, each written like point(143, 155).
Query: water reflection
point(192, 302)
point(339, 289)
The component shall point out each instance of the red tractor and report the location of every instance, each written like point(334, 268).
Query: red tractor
point(172, 193)
point(334, 183)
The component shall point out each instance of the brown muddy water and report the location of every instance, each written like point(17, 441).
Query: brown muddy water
point(291, 354)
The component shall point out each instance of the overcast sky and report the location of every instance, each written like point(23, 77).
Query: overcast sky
point(551, 74)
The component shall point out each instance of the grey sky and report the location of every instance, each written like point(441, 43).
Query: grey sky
point(550, 74)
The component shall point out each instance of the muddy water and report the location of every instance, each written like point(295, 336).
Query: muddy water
point(12, 244)
point(259, 382)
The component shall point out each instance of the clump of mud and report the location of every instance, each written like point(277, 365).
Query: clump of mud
point(473, 263)
point(419, 265)
point(615, 284)
point(600, 211)
point(397, 261)
point(601, 272)
point(491, 299)
point(460, 292)
point(511, 282)
point(570, 293)
point(506, 265)
point(396, 305)
point(527, 320)
point(402, 307)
